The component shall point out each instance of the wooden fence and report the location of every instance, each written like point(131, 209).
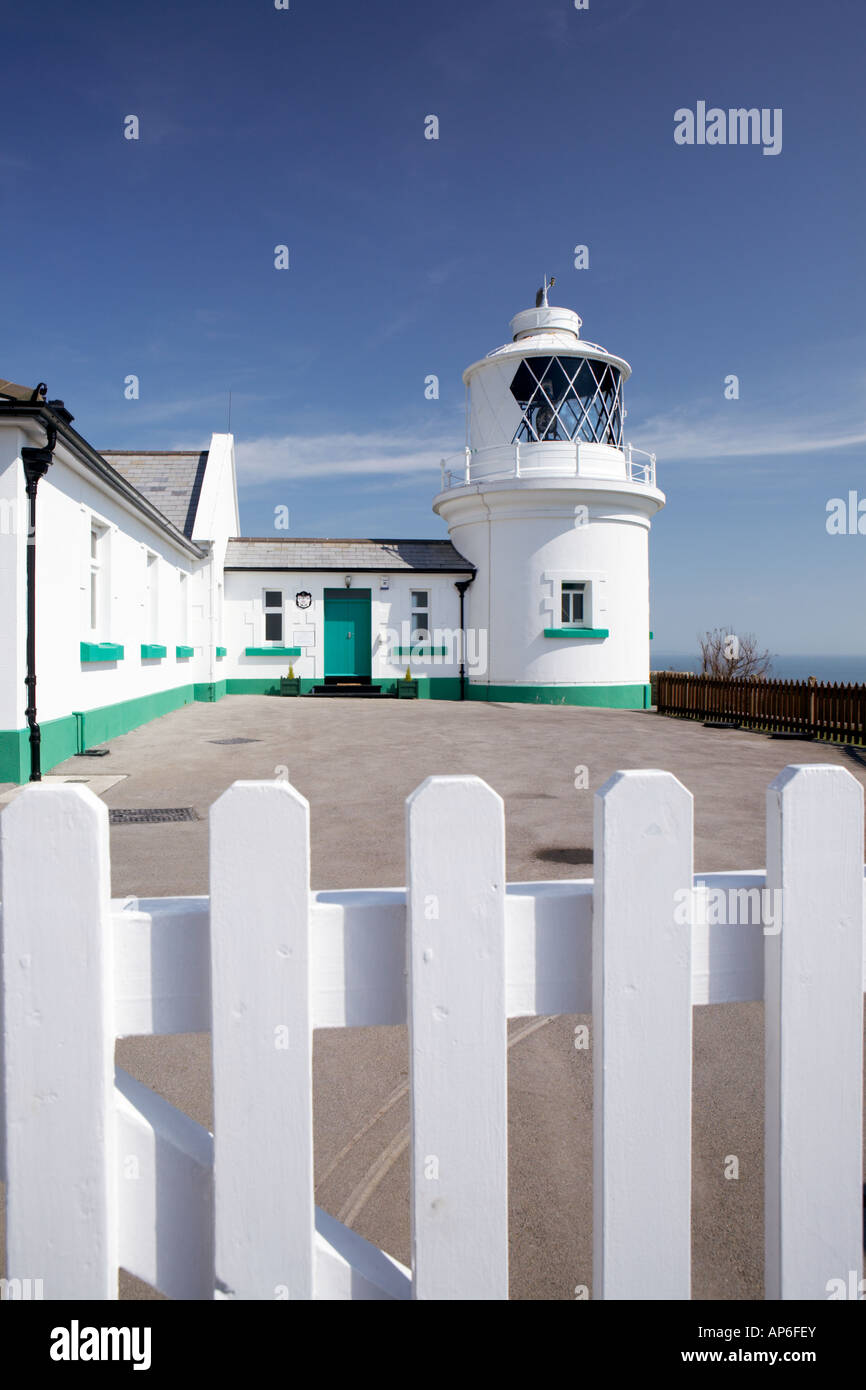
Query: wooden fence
point(102, 1172)
point(823, 710)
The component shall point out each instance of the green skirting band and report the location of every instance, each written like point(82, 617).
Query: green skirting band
point(85, 729)
point(601, 696)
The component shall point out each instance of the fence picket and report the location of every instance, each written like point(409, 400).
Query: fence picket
point(103, 1171)
point(814, 1032)
point(642, 1038)
point(456, 911)
point(59, 1043)
point(262, 1042)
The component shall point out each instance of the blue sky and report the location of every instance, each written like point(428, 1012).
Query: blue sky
point(305, 127)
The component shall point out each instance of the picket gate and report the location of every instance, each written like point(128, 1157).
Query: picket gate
point(101, 1172)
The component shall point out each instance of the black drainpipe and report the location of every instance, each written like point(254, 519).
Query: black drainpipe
point(36, 464)
point(461, 585)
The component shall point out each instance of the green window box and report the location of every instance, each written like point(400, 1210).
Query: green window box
point(152, 651)
point(220, 653)
point(101, 651)
point(182, 653)
point(419, 651)
point(272, 651)
point(577, 632)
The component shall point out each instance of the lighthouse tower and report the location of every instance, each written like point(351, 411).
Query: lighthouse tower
point(553, 510)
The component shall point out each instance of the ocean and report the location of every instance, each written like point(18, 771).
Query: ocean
point(842, 669)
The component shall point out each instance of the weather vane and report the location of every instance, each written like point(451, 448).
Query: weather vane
point(541, 297)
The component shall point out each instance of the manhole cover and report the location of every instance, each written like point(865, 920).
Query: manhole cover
point(151, 815)
point(234, 740)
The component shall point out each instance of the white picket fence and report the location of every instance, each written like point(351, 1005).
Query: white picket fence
point(103, 1173)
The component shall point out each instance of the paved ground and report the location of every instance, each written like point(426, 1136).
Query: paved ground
point(356, 763)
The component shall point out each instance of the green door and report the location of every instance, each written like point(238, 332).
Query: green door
point(347, 632)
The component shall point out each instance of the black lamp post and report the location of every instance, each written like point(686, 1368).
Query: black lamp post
point(461, 585)
point(36, 464)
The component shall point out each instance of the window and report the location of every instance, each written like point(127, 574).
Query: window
point(566, 398)
point(183, 616)
point(420, 627)
point(98, 578)
point(573, 595)
point(151, 615)
point(274, 615)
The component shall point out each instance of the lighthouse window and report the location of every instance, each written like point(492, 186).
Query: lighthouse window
point(568, 398)
point(420, 615)
point(572, 604)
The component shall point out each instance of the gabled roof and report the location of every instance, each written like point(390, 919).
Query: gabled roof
point(270, 553)
point(172, 482)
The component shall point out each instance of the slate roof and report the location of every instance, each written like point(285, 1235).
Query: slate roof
point(170, 481)
point(268, 553)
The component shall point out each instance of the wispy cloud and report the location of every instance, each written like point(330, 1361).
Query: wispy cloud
point(695, 433)
point(337, 455)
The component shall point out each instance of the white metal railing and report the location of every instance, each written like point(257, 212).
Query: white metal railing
point(543, 459)
point(102, 1172)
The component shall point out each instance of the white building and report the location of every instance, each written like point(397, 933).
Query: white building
point(147, 598)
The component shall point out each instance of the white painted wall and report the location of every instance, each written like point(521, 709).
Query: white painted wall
point(70, 496)
point(216, 520)
point(244, 624)
point(13, 538)
point(523, 538)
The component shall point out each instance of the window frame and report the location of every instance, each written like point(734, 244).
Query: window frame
point(270, 611)
point(151, 595)
point(183, 607)
point(573, 588)
point(98, 608)
point(418, 636)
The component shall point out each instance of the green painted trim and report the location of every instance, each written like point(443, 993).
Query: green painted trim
point(209, 691)
point(151, 651)
point(420, 652)
point(602, 696)
point(184, 653)
point(651, 637)
point(348, 593)
point(429, 687)
point(101, 651)
point(59, 741)
point(81, 729)
point(220, 653)
point(577, 632)
point(109, 721)
point(439, 687)
point(272, 651)
point(13, 753)
point(262, 685)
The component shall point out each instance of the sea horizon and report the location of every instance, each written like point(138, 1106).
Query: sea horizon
point(842, 669)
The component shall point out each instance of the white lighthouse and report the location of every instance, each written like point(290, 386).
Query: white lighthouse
point(554, 510)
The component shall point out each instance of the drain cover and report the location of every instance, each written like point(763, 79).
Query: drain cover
point(234, 740)
point(151, 815)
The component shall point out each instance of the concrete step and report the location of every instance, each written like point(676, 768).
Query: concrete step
point(350, 692)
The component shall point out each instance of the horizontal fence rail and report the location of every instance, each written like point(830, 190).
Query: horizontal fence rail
point(819, 709)
point(101, 1172)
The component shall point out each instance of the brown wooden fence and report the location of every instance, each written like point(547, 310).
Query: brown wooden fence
point(824, 710)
